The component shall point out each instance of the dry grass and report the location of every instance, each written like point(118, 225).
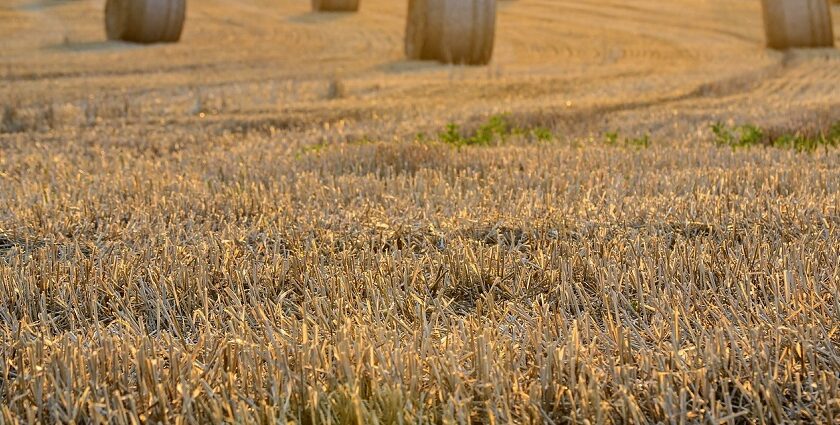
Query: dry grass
point(251, 278)
point(246, 227)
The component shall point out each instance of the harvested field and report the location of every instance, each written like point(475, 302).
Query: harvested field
point(632, 215)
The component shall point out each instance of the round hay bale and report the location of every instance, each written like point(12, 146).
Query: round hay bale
point(335, 5)
point(145, 21)
point(451, 31)
point(797, 23)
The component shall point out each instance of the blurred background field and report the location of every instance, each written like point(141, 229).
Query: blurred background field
point(663, 67)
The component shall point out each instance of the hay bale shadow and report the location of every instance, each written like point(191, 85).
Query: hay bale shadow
point(318, 17)
point(89, 46)
point(405, 66)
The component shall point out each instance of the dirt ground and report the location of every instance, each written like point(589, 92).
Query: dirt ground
point(667, 68)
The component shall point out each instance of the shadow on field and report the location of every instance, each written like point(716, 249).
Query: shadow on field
point(404, 66)
point(90, 46)
point(318, 17)
point(6, 244)
point(40, 5)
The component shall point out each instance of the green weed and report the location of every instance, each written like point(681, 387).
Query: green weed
point(542, 134)
point(452, 135)
point(613, 138)
point(497, 129)
point(738, 136)
point(742, 136)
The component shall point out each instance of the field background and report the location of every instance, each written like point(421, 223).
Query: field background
point(260, 223)
point(666, 67)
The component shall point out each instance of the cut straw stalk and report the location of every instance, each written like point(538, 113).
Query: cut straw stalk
point(145, 21)
point(451, 31)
